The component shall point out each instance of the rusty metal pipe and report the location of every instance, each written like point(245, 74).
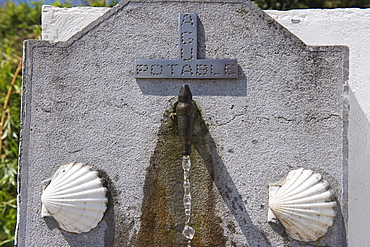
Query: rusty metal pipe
point(185, 114)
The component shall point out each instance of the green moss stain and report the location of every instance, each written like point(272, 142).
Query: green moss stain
point(163, 216)
point(242, 11)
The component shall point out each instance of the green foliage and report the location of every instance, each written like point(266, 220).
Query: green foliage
point(100, 3)
point(92, 3)
point(299, 4)
point(338, 3)
point(17, 23)
point(280, 4)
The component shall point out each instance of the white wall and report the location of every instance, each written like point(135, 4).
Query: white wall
point(350, 27)
point(59, 24)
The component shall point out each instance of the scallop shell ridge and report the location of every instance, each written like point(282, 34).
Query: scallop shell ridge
point(304, 205)
point(75, 198)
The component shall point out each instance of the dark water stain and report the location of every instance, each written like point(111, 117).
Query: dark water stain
point(206, 147)
point(109, 214)
point(163, 216)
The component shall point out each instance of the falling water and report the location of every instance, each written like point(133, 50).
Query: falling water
point(188, 231)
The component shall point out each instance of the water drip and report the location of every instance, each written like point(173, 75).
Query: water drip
point(188, 231)
point(185, 114)
point(163, 206)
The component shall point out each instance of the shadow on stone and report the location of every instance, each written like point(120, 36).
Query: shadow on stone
point(109, 234)
point(51, 223)
point(341, 225)
point(108, 221)
point(163, 216)
point(278, 228)
point(206, 147)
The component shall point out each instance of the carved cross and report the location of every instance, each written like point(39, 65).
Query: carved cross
point(188, 66)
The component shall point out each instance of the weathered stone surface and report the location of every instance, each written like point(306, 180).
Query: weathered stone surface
point(348, 27)
point(82, 103)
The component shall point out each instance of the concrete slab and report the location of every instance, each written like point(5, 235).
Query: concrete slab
point(82, 103)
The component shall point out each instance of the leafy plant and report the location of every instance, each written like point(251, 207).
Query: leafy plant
point(17, 23)
point(299, 4)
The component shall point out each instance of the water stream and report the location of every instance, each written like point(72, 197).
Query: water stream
point(188, 231)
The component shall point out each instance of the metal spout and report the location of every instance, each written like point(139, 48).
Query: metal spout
point(185, 114)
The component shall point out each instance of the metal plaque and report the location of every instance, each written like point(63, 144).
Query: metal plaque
point(187, 66)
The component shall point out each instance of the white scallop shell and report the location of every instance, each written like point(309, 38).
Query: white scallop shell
point(75, 198)
point(304, 205)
